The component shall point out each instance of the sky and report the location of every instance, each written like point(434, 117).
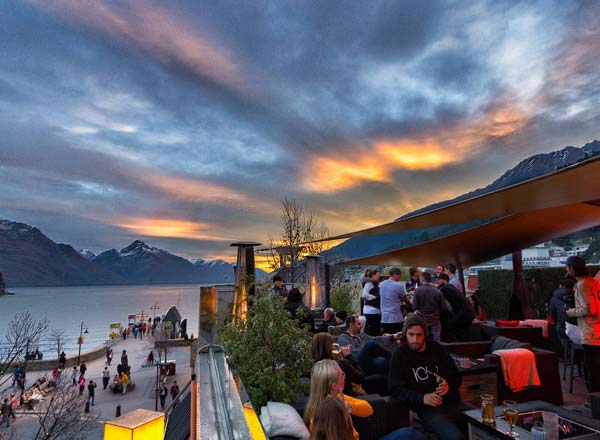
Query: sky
point(185, 123)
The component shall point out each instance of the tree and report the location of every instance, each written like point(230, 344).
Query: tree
point(23, 333)
point(268, 349)
point(61, 415)
point(592, 254)
point(298, 229)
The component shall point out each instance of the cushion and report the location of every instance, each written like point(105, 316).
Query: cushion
point(500, 323)
point(336, 330)
point(283, 420)
point(502, 343)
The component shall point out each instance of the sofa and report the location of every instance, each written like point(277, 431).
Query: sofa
point(531, 335)
point(546, 362)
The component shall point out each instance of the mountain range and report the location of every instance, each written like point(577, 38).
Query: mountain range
point(29, 258)
point(528, 168)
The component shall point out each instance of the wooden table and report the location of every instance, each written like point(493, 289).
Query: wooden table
point(480, 378)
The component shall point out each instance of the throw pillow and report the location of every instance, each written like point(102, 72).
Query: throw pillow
point(502, 343)
point(501, 323)
point(265, 418)
point(285, 421)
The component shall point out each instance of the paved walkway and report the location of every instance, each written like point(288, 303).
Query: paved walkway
point(106, 402)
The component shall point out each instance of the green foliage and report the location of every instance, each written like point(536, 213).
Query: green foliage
point(269, 350)
point(495, 289)
point(342, 298)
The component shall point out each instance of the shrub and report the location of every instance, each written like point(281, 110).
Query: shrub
point(343, 298)
point(269, 350)
point(495, 289)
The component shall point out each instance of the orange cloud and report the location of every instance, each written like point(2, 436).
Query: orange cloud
point(170, 228)
point(441, 146)
point(169, 39)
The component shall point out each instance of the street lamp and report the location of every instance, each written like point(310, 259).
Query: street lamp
point(80, 341)
point(154, 307)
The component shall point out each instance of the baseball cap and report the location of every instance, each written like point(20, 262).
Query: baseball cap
point(574, 261)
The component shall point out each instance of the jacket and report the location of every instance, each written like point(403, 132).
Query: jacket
point(587, 309)
point(357, 341)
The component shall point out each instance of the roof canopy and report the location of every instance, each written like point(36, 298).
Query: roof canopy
point(530, 212)
point(493, 239)
point(574, 184)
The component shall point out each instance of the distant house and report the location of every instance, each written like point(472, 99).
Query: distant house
point(172, 323)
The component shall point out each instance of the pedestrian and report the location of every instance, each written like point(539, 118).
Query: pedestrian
point(125, 361)
point(16, 375)
point(125, 382)
point(62, 361)
point(14, 404)
point(135, 332)
point(587, 312)
point(163, 395)
point(74, 375)
point(81, 384)
point(82, 368)
point(105, 377)
point(109, 356)
point(124, 334)
point(91, 391)
point(5, 410)
point(141, 330)
point(174, 390)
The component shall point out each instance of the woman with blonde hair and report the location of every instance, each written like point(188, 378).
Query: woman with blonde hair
point(332, 421)
point(327, 380)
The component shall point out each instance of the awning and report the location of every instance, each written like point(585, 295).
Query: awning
point(577, 183)
point(500, 237)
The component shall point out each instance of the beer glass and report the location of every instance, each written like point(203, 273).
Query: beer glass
point(487, 408)
point(511, 414)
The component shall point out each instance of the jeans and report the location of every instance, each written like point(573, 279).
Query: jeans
point(442, 421)
point(91, 399)
point(6, 418)
point(591, 360)
point(435, 330)
point(373, 358)
point(403, 434)
point(373, 324)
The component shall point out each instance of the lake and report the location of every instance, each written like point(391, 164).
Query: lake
point(97, 307)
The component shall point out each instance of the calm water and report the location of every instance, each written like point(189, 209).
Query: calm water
point(97, 307)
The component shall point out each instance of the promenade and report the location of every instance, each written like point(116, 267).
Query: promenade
point(143, 396)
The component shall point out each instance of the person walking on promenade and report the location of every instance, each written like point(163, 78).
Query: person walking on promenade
point(125, 361)
point(16, 375)
point(124, 381)
point(109, 356)
point(105, 377)
point(82, 368)
point(587, 312)
point(14, 404)
point(5, 410)
point(81, 384)
point(163, 395)
point(174, 390)
point(74, 373)
point(62, 361)
point(91, 391)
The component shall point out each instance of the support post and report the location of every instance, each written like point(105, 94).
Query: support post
point(520, 305)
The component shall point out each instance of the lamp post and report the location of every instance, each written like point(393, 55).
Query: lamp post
point(154, 307)
point(80, 341)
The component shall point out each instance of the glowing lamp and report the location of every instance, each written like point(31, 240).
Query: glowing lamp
point(141, 424)
point(314, 292)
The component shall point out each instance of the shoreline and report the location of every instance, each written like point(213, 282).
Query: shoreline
point(6, 293)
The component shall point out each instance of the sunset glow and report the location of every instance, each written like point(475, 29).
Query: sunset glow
point(169, 228)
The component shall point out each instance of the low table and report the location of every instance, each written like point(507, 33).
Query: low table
point(583, 427)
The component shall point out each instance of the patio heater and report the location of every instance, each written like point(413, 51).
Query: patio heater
point(313, 297)
point(244, 278)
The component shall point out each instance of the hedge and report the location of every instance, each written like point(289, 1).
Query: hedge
point(495, 289)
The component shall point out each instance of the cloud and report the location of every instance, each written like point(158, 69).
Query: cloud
point(152, 227)
point(169, 39)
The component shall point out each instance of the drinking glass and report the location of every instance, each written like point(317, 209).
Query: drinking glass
point(336, 350)
point(511, 414)
point(487, 408)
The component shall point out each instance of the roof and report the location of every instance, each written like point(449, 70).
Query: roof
point(172, 315)
point(496, 238)
point(136, 418)
point(577, 183)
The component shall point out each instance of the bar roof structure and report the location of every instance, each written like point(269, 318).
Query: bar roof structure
point(527, 213)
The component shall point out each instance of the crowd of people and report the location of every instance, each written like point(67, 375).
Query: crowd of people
point(399, 350)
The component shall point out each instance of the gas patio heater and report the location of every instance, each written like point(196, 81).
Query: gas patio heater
point(314, 296)
point(244, 278)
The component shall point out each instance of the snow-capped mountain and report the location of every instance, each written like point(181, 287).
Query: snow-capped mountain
point(86, 253)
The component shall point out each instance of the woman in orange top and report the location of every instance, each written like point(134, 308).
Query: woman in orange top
point(327, 380)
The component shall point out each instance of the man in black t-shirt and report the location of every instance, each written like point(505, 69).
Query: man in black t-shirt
point(424, 378)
